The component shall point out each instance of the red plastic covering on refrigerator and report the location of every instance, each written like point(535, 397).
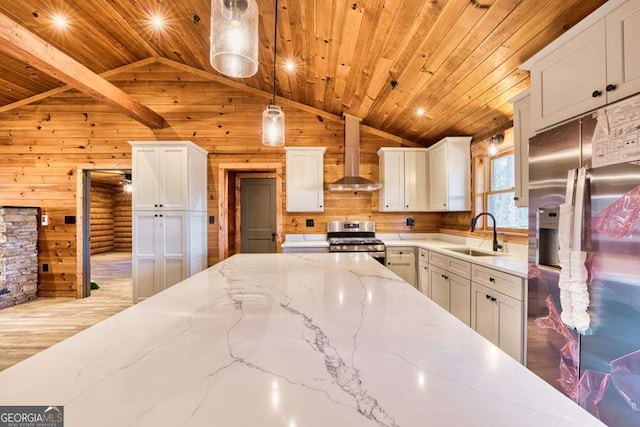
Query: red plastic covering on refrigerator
point(621, 218)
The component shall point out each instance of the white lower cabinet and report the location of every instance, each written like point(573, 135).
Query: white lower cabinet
point(168, 247)
point(402, 261)
point(498, 316)
point(423, 271)
point(450, 287)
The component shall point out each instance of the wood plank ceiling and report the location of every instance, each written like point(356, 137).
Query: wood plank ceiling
point(457, 59)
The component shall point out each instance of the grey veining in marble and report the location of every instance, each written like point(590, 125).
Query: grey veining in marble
point(287, 340)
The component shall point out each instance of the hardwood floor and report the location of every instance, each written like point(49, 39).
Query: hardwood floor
point(29, 328)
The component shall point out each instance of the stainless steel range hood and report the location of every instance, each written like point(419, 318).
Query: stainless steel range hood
point(352, 180)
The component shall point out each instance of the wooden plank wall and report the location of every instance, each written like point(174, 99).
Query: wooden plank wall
point(121, 221)
point(44, 143)
point(102, 218)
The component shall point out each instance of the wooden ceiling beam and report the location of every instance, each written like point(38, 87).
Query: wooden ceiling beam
point(20, 43)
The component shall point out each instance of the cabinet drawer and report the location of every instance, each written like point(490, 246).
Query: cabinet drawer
point(423, 255)
point(502, 282)
point(459, 267)
point(401, 253)
point(437, 259)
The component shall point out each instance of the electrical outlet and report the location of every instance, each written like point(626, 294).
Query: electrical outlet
point(310, 223)
point(411, 222)
point(69, 219)
point(45, 268)
point(212, 219)
point(44, 220)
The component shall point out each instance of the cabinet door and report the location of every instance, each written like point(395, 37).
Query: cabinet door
point(510, 328)
point(522, 133)
point(582, 63)
point(439, 287)
point(146, 178)
point(423, 279)
point(146, 260)
point(483, 318)
point(460, 298)
point(173, 178)
point(415, 181)
point(305, 180)
point(173, 255)
point(438, 182)
point(392, 178)
point(623, 57)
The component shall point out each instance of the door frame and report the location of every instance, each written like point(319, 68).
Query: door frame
point(223, 188)
point(83, 251)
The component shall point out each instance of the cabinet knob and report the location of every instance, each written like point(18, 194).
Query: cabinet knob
point(160, 215)
point(596, 93)
point(387, 206)
point(160, 205)
point(388, 263)
point(610, 87)
point(320, 205)
point(493, 299)
point(516, 198)
point(491, 279)
point(407, 206)
point(487, 296)
point(156, 215)
point(155, 206)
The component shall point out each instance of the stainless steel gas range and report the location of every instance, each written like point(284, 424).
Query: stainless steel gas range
point(355, 236)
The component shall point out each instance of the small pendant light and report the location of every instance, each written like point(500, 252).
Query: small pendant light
point(234, 37)
point(273, 116)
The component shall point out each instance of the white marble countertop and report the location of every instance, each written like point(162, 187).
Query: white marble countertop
point(287, 340)
point(305, 241)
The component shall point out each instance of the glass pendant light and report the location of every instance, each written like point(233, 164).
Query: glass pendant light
point(234, 37)
point(273, 116)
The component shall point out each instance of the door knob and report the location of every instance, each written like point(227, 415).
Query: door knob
point(273, 237)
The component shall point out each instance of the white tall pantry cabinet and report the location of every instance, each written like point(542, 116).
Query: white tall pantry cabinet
point(169, 223)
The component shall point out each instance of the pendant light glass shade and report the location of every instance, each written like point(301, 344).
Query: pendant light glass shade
point(234, 37)
point(273, 126)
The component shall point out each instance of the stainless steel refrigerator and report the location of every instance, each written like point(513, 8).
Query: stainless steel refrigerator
point(599, 368)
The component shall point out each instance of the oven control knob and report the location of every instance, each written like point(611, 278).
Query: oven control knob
point(344, 247)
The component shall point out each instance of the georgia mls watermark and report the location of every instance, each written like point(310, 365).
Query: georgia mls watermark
point(31, 416)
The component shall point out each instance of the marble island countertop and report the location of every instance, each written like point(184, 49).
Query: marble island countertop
point(287, 340)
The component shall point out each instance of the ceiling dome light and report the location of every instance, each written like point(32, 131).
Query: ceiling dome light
point(157, 21)
point(290, 65)
point(420, 111)
point(234, 37)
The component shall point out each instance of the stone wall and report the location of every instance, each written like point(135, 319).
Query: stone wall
point(18, 255)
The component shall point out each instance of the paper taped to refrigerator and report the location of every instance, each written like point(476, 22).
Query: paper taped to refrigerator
point(616, 138)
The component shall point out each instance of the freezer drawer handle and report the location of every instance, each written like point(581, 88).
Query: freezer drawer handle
point(596, 93)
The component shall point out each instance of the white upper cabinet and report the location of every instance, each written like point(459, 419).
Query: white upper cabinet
point(305, 179)
point(450, 175)
point(169, 176)
point(583, 71)
point(623, 55)
point(522, 132)
point(403, 174)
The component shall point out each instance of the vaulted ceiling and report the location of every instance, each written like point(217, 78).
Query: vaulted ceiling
point(457, 59)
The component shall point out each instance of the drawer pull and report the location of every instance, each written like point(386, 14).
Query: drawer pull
point(596, 93)
point(611, 87)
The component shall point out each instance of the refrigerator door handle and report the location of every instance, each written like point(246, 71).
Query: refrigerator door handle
point(579, 209)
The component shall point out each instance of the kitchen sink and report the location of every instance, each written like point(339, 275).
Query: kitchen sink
point(471, 252)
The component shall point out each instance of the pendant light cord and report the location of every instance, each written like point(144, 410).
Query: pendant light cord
point(275, 49)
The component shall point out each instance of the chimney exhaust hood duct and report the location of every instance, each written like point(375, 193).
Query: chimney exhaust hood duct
point(352, 180)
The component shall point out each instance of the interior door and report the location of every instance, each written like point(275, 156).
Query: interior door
point(258, 215)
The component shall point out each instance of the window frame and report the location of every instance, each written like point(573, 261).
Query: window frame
point(488, 174)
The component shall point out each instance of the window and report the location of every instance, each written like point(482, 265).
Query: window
point(501, 191)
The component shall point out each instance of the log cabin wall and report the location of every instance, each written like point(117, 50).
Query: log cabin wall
point(102, 218)
point(45, 142)
point(121, 221)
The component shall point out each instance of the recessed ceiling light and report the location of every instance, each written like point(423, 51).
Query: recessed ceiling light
point(157, 21)
point(290, 65)
point(420, 111)
point(60, 21)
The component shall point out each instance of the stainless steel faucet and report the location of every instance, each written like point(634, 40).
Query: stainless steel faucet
point(496, 245)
